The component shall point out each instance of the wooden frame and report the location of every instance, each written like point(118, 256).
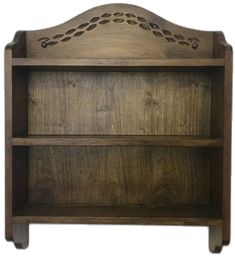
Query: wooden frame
point(118, 117)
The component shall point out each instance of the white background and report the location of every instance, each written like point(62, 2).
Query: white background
point(98, 240)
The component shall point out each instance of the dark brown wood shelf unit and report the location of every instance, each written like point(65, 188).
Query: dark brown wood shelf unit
point(118, 116)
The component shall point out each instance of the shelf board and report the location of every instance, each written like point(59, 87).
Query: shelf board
point(193, 141)
point(43, 62)
point(200, 216)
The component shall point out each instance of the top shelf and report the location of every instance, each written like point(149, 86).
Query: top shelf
point(43, 62)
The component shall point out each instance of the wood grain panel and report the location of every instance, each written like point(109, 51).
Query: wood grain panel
point(124, 103)
point(118, 176)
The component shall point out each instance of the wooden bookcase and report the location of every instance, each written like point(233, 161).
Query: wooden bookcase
point(118, 117)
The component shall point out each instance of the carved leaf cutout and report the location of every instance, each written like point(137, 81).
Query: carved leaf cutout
point(106, 15)
point(118, 20)
point(70, 31)
point(65, 39)
point(131, 22)
point(144, 26)
point(142, 19)
point(79, 33)
point(94, 19)
point(166, 32)
point(179, 37)
point(52, 43)
point(130, 15)
point(118, 14)
point(193, 39)
point(104, 21)
point(157, 33)
point(170, 39)
point(58, 36)
point(91, 27)
point(183, 43)
point(83, 25)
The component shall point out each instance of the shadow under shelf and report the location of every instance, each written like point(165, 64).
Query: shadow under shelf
point(64, 213)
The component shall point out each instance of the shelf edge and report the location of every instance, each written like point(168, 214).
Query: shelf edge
point(118, 220)
point(37, 62)
point(120, 140)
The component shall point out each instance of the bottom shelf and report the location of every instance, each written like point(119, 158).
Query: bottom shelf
point(197, 216)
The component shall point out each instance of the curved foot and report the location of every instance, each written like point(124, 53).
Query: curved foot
point(20, 245)
point(216, 249)
point(215, 239)
point(21, 235)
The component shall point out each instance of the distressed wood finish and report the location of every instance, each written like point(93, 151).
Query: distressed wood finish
point(118, 117)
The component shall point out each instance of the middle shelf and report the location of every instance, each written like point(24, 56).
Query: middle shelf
point(188, 141)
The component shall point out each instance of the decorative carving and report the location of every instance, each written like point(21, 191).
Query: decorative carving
point(118, 20)
point(183, 43)
point(79, 33)
point(130, 15)
point(118, 14)
point(94, 19)
point(70, 31)
point(91, 27)
point(179, 37)
point(154, 25)
point(115, 17)
point(166, 32)
point(170, 39)
point(131, 22)
point(106, 15)
point(142, 19)
point(64, 39)
point(194, 45)
point(157, 33)
point(104, 21)
point(144, 26)
point(58, 36)
point(194, 41)
point(83, 25)
point(52, 43)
